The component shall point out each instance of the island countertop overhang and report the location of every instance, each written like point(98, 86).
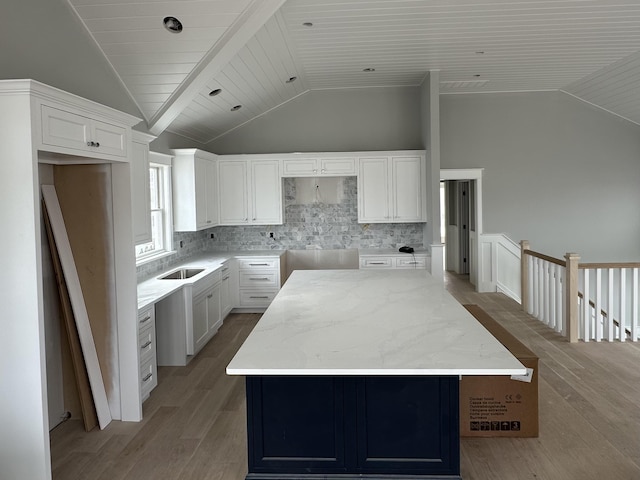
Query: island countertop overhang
point(364, 323)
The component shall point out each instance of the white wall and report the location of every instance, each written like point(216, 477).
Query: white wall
point(333, 121)
point(558, 172)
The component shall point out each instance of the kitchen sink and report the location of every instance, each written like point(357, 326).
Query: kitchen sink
point(182, 273)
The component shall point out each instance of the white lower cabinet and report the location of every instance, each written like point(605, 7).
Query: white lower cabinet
point(147, 351)
point(228, 287)
point(259, 281)
point(396, 261)
point(206, 314)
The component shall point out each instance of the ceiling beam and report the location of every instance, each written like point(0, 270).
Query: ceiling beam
point(247, 25)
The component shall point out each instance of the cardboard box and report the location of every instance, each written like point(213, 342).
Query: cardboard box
point(500, 406)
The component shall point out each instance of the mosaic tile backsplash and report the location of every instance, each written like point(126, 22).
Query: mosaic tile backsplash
point(308, 225)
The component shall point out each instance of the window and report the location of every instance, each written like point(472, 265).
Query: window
point(160, 199)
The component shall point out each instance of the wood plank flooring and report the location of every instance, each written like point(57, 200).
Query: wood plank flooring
point(194, 421)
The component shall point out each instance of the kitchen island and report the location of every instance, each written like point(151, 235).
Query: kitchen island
point(354, 374)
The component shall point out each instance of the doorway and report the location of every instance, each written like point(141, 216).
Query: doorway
point(462, 220)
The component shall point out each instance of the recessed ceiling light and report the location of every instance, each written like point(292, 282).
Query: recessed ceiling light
point(307, 24)
point(369, 69)
point(236, 108)
point(172, 24)
point(291, 80)
point(215, 92)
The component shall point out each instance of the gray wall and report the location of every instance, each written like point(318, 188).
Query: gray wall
point(558, 172)
point(333, 121)
point(46, 42)
point(168, 140)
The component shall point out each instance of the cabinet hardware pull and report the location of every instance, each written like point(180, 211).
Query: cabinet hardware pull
point(97, 144)
point(208, 221)
point(145, 319)
point(89, 144)
point(210, 296)
point(259, 278)
point(149, 375)
point(376, 263)
point(259, 297)
point(225, 278)
point(224, 269)
point(145, 345)
point(258, 264)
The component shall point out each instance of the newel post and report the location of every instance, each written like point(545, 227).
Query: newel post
point(524, 275)
point(571, 297)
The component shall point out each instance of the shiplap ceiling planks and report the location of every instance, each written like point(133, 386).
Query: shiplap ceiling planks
point(588, 48)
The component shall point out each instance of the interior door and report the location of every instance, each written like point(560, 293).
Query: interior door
point(463, 227)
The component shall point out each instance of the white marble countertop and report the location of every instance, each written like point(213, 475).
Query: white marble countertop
point(369, 322)
point(154, 289)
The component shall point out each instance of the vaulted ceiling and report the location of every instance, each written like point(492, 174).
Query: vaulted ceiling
point(263, 53)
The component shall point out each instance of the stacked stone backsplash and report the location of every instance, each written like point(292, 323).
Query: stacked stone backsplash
point(308, 225)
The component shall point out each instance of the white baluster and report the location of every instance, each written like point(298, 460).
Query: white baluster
point(552, 295)
point(560, 271)
point(598, 307)
point(547, 297)
point(610, 327)
point(586, 308)
point(534, 311)
point(531, 284)
point(541, 290)
point(623, 305)
point(634, 324)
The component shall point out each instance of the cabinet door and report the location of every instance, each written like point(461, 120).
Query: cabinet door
point(109, 139)
point(140, 193)
point(232, 180)
point(200, 321)
point(201, 192)
point(64, 129)
point(266, 192)
point(211, 194)
point(338, 166)
point(373, 191)
point(225, 295)
point(300, 167)
point(214, 315)
point(407, 192)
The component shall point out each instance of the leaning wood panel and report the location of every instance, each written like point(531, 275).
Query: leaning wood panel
point(89, 415)
point(84, 195)
point(77, 304)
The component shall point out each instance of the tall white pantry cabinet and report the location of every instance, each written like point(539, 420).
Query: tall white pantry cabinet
point(42, 125)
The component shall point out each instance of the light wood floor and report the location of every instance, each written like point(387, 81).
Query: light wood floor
point(194, 422)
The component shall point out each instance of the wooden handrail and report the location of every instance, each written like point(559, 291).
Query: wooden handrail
point(542, 256)
point(604, 314)
point(585, 266)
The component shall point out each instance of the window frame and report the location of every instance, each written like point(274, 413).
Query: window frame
point(161, 162)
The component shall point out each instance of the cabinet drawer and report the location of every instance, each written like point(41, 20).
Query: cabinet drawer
point(145, 318)
point(376, 262)
point(257, 298)
point(258, 263)
point(410, 262)
point(258, 279)
point(147, 344)
point(148, 378)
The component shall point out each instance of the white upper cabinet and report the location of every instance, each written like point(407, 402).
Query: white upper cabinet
point(318, 167)
point(141, 205)
point(392, 189)
point(250, 192)
point(80, 135)
point(195, 190)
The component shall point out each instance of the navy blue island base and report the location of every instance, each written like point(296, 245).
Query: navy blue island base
point(343, 427)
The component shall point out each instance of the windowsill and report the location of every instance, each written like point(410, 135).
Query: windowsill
point(153, 258)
